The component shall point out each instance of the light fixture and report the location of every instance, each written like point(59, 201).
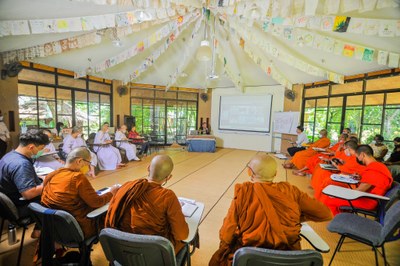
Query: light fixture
point(213, 75)
point(117, 42)
point(204, 53)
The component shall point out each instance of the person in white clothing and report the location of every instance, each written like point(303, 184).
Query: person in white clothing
point(49, 157)
point(74, 140)
point(301, 139)
point(122, 142)
point(4, 136)
point(108, 156)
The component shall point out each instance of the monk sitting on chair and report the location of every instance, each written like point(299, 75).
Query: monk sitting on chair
point(300, 158)
point(322, 178)
point(336, 150)
point(69, 189)
point(265, 214)
point(375, 179)
point(144, 207)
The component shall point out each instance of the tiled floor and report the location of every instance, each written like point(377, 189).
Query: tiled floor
point(210, 178)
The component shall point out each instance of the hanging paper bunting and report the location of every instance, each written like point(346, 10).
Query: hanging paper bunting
point(279, 53)
point(85, 23)
point(157, 52)
point(341, 23)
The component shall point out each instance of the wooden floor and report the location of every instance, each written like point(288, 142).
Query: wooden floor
point(210, 178)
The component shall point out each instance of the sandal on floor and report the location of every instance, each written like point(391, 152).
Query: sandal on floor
point(299, 173)
point(287, 165)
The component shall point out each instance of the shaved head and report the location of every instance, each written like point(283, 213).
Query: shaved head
point(160, 167)
point(263, 167)
point(80, 152)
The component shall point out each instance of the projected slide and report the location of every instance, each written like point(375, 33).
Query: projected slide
point(251, 113)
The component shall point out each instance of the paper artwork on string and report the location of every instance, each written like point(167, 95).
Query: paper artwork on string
point(266, 25)
point(368, 55)
point(277, 20)
point(383, 57)
point(121, 19)
point(19, 27)
point(356, 25)
point(371, 27)
point(359, 52)
point(393, 60)
point(327, 23)
point(387, 28)
point(314, 22)
point(5, 28)
point(87, 23)
point(341, 23)
point(327, 44)
point(338, 47)
point(348, 50)
point(301, 21)
point(288, 33)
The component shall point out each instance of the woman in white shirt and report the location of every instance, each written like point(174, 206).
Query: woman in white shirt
point(301, 139)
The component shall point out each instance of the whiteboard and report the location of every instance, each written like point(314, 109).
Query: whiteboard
point(286, 122)
point(251, 113)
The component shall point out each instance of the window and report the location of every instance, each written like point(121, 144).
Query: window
point(367, 107)
point(71, 101)
point(166, 117)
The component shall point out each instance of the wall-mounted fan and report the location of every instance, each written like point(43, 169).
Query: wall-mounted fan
point(11, 70)
point(290, 94)
point(204, 97)
point(122, 90)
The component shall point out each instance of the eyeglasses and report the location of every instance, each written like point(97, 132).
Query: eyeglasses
point(252, 171)
point(86, 161)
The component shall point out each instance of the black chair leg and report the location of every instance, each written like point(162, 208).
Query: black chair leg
point(376, 257)
point(384, 254)
point(1, 228)
point(337, 248)
point(21, 246)
point(341, 243)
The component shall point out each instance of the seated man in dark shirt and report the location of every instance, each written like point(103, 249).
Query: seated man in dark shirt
point(393, 163)
point(17, 174)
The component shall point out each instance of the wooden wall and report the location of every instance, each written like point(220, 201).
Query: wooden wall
point(9, 102)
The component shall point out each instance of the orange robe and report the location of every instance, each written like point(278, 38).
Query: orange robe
point(378, 176)
point(322, 178)
point(143, 207)
point(71, 191)
point(301, 157)
point(266, 215)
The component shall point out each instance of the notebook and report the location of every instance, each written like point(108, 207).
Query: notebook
point(188, 206)
point(280, 156)
point(344, 178)
point(328, 167)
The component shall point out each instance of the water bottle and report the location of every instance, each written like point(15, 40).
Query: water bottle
point(12, 235)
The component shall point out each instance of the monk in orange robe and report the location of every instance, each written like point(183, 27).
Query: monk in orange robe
point(336, 150)
point(322, 178)
point(265, 214)
point(68, 189)
point(375, 179)
point(300, 158)
point(144, 207)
